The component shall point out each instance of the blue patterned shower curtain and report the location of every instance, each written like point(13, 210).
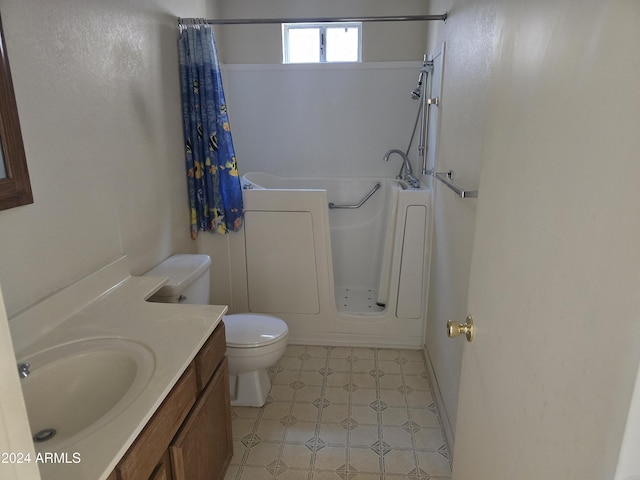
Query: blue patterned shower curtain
point(215, 195)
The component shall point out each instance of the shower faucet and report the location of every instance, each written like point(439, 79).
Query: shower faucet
point(23, 370)
point(406, 172)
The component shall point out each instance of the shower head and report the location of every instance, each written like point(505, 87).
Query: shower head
point(416, 93)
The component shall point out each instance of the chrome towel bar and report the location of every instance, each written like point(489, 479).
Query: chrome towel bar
point(445, 177)
point(358, 205)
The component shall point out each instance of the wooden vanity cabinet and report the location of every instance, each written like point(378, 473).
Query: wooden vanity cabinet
point(163, 469)
point(201, 450)
point(189, 436)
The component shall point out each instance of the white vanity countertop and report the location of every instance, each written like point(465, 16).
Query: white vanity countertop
point(112, 304)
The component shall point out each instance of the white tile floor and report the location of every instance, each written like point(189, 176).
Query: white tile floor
point(342, 413)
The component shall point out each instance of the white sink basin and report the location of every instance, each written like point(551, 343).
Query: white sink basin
point(78, 387)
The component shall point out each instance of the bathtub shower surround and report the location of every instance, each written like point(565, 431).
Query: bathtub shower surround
point(215, 197)
point(335, 275)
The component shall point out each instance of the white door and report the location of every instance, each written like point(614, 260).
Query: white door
point(554, 292)
point(17, 454)
point(555, 276)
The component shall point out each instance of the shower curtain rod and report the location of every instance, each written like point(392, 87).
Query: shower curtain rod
point(251, 21)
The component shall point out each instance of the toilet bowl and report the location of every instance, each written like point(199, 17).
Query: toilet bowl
point(254, 341)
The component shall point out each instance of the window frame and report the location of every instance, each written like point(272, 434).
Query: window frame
point(15, 186)
point(322, 28)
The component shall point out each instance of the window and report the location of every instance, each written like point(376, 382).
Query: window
point(15, 187)
point(322, 42)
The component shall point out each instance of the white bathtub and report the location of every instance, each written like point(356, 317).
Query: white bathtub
point(342, 276)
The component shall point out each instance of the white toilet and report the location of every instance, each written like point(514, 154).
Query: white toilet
point(254, 341)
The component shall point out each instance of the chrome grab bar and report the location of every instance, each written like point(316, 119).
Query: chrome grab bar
point(445, 177)
point(358, 205)
point(427, 118)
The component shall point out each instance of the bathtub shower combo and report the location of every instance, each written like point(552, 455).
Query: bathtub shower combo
point(344, 261)
point(341, 260)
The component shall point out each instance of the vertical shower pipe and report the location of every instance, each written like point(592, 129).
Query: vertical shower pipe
point(427, 67)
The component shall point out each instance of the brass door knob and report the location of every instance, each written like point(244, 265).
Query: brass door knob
point(454, 329)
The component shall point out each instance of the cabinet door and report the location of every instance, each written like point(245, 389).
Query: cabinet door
point(150, 446)
point(163, 470)
point(203, 448)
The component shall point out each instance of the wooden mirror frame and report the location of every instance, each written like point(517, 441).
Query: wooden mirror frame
point(15, 188)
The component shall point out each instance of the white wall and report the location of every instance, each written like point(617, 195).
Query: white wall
point(469, 36)
point(98, 97)
point(99, 104)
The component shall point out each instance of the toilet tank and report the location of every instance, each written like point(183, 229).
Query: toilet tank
point(188, 279)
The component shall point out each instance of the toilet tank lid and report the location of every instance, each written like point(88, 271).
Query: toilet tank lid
point(182, 270)
point(245, 330)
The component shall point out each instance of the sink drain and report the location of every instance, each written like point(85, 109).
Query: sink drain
point(44, 435)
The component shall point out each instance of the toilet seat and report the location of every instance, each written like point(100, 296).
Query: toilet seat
point(251, 330)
